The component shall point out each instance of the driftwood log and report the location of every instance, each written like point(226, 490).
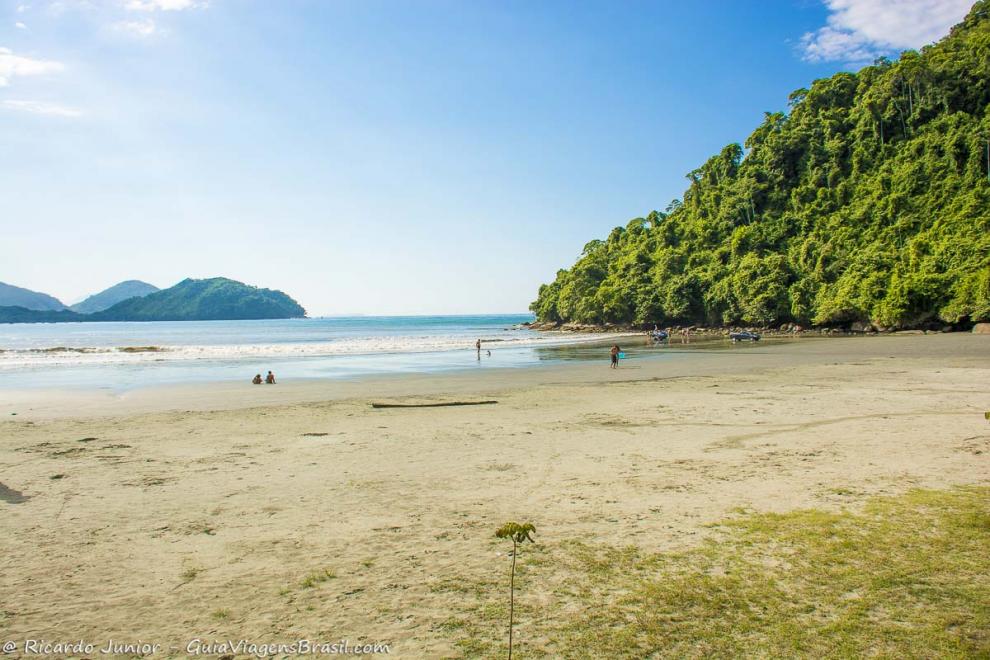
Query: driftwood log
point(443, 404)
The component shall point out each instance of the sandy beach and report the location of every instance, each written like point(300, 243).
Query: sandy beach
point(299, 511)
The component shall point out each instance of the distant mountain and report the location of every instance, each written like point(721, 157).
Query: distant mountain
point(216, 299)
point(15, 296)
point(115, 294)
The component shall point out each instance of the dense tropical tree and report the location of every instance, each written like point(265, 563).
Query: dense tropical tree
point(869, 200)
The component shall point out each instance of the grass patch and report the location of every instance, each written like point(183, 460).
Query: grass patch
point(908, 577)
point(319, 577)
point(221, 614)
point(190, 573)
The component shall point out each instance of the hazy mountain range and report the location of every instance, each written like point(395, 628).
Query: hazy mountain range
point(216, 298)
point(15, 296)
point(117, 293)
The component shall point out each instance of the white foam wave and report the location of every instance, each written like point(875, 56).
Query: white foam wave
point(88, 355)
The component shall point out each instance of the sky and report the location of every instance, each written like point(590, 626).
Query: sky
point(384, 157)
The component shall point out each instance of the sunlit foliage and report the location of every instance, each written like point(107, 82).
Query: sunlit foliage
point(869, 200)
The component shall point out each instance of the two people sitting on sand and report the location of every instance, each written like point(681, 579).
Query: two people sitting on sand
point(269, 379)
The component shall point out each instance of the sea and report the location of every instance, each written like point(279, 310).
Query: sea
point(123, 356)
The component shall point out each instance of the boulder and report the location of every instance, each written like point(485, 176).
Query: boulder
point(861, 326)
point(981, 329)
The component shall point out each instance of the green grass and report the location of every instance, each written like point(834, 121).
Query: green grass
point(907, 577)
point(190, 573)
point(314, 579)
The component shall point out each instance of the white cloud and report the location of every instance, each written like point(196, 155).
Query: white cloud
point(144, 28)
point(163, 5)
point(20, 26)
point(858, 31)
point(12, 66)
point(41, 108)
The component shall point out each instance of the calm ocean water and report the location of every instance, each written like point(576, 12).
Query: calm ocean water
point(129, 355)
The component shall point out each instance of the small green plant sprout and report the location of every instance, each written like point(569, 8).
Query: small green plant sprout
point(986, 415)
point(518, 534)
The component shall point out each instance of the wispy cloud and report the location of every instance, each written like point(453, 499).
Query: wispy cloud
point(20, 26)
point(163, 5)
point(858, 31)
point(12, 66)
point(144, 28)
point(41, 108)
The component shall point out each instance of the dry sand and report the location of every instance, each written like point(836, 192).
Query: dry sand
point(170, 514)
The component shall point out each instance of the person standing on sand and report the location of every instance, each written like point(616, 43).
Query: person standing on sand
point(270, 378)
point(615, 356)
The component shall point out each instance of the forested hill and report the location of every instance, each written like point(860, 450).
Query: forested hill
point(212, 299)
point(868, 201)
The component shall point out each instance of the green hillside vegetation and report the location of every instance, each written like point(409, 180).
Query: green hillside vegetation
point(205, 300)
point(18, 314)
point(868, 201)
point(190, 300)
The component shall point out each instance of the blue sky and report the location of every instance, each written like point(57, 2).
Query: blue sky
point(383, 157)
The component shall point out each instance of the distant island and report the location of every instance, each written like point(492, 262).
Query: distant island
point(868, 203)
point(117, 293)
point(15, 296)
point(214, 299)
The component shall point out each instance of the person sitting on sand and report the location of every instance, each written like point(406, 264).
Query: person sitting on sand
point(257, 379)
point(615, 356)
point(270, 378)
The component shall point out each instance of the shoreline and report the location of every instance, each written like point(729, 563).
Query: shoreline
point(855, 329)
point(675, 361)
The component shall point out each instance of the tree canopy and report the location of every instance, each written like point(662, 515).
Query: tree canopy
point(869, 200)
